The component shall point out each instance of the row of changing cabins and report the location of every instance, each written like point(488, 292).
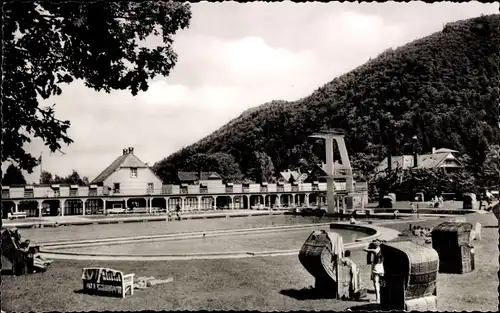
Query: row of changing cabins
point(411, 269)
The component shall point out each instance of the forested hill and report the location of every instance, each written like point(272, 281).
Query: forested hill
point(444, 88)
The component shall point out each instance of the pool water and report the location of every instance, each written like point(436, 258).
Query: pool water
point(101, 231)
point(252, 242)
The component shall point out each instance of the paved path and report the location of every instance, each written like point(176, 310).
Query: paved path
point(80, 220)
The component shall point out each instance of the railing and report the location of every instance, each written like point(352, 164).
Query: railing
point(169, 190)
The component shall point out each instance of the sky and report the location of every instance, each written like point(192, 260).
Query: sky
point(234, 56)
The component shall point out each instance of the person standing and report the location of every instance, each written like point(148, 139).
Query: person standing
point(354, 284)
point(377, 266)
point(178, 211)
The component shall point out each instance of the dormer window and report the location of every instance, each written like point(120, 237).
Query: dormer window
point(133, 172)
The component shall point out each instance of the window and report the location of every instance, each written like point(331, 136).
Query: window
point(116, 187)
point(133, 172)
point(151, 188)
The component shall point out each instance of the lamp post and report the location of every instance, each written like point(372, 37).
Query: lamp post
point(415, 161)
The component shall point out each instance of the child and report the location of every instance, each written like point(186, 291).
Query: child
point(354, 271)
point(377, 266)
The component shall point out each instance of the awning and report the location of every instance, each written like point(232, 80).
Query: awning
point(93, 186)
point(315, 183)
point(229, 184)
point(264, 184)
point(184, 185)
point(28, 187)
point(74, 186)
point(55, 186)
point(281, 183)
point(203, 185)
point(295, 184)
point(5, 187)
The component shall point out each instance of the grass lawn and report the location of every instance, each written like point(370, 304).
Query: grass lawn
point(260, 283)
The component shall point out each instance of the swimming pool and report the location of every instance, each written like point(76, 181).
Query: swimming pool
point(277, 239)
point(102, 231)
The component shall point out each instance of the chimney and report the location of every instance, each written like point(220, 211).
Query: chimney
point(433, 150)
point(124, 151)
point(130, 149)
point(415, 159)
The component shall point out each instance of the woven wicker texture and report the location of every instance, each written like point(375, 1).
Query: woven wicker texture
point(410, 271)
point(458, 260)
point(451, 234)
point(451, 241)
point(316, 255)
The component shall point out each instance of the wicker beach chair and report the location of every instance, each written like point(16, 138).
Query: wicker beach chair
point(452, 241)
point(409, 281)
point(320, 255)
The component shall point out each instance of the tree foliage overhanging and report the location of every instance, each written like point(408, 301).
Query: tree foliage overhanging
point(442, 88)
point(51, 43)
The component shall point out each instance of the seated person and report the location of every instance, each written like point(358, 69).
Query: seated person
point(354, 284)
point(352, 221)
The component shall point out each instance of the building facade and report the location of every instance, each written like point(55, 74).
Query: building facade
point(130, 184)
point(441, 158)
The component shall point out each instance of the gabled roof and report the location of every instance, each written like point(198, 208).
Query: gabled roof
point(193, 176)
point(128, 160)
point(424, 160)
point(297, 176)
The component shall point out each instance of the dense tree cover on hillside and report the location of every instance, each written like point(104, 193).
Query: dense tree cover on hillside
point(47, 44)
point(442, 88)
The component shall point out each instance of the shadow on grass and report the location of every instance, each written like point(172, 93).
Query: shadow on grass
point(365, 307)
point(97, 293)
point(490, 226)
point(306, 294)
point(314, 294)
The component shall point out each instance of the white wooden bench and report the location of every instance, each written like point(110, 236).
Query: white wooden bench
point(15, 215)
point(107, 281)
